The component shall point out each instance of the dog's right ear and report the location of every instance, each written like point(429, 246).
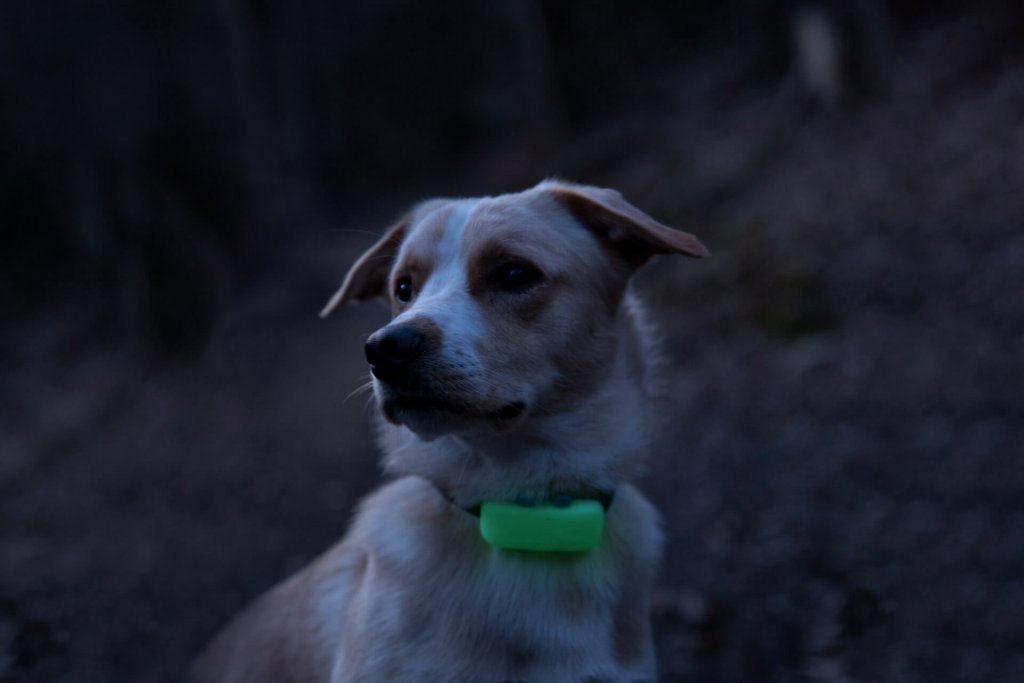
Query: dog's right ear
point(367, 279)
point(634, 234)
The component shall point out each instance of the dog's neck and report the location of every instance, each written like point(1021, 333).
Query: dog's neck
point(596, 444)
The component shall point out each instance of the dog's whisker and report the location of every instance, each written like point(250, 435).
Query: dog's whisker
point(369, 404)
point(367, 386)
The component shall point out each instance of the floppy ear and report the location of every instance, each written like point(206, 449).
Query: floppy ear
point(367, 278)
point(631, 232)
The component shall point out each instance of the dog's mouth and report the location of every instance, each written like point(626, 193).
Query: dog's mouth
point(510, 411)
point(414, 412)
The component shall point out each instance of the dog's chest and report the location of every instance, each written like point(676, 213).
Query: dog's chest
point(466, 612)
point(501, 619)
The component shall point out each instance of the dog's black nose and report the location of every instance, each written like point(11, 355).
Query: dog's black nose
point(389, 351)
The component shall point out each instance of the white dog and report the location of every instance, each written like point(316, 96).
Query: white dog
point(516, 368)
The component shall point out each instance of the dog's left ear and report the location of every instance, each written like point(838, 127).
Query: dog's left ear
point(632, 232)
point(367, 278)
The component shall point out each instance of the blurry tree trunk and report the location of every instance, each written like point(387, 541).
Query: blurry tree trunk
point(842, 49)
point(328, 28)
point(876, 48)
point(8, 47)
point(542, 110)
point(250, 100)
point(819, 50)
point(293, 88)
point(88, 217)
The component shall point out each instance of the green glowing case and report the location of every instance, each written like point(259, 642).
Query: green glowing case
point(575, 527)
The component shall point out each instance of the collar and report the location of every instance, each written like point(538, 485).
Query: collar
point(565, 522)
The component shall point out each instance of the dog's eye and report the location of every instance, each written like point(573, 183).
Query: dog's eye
point(516, 277)
point(403, 289)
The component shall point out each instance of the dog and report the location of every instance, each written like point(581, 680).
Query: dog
point(517, 368)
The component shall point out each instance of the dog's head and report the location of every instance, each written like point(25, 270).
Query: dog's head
point(503, 307)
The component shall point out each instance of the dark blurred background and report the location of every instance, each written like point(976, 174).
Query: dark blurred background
point(183, 184)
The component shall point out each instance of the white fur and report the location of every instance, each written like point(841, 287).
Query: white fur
point(412, 593)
